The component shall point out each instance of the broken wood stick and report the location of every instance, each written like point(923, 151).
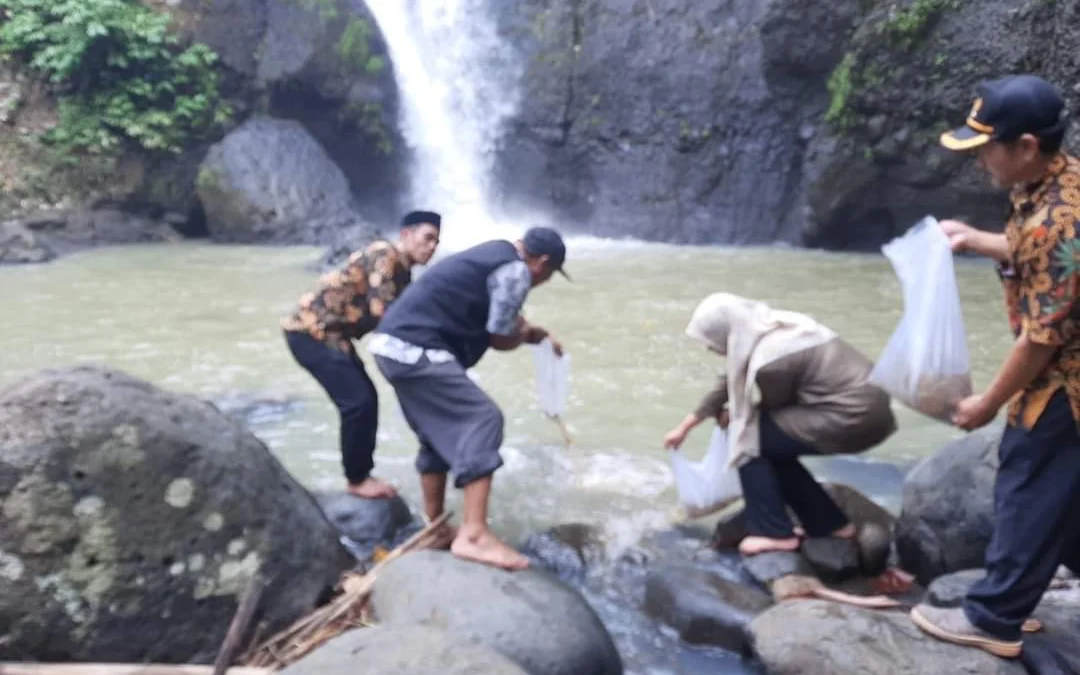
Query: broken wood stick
point(241, 621)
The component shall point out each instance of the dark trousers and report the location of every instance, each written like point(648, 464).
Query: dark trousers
point(1036, 520)
point(349, 387)
point(776, 480)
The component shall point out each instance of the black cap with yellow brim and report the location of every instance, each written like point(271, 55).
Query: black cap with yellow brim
point(1006, 109)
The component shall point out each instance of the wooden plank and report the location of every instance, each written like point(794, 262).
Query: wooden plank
point(118, 669)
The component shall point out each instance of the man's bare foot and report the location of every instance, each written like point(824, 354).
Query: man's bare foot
point(478, 544)
point(756, 545)
point(372, 488)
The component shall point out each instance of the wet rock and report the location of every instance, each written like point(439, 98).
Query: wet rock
point(255, 411)
point(530, 617)
point(948, 503)
point(832, 559)
point(567, 550)
point(270, 181)
point(368, 523)
point(133, 518)
point(402, 650)
point(730, 529)
point(18, 245)
point(766, 568)
point(703, 607)
point(814, 637)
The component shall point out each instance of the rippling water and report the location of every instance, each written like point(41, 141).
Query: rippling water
point(203, 319)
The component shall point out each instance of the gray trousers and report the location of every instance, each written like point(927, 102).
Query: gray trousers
point(459, 427)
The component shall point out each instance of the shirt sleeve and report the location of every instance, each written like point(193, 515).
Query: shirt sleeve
point(507, 286)
point(386, 276)
point(713, 402)
point(1049, 289)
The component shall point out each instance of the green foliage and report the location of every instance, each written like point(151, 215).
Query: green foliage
point(121, 77)
point(354, 47)
point(840, 87)
point(908, 24)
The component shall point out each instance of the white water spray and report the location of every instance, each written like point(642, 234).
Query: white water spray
point(459, 84)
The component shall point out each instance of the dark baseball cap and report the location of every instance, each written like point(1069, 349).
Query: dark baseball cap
point(546, 241)
point(1007, 108)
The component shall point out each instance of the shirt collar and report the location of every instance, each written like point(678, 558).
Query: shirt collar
point(1026, 197)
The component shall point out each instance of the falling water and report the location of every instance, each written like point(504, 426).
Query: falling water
point(459, 85)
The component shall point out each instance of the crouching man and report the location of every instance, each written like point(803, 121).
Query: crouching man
point(440, 327)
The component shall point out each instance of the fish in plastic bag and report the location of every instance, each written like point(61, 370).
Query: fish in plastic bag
point(925, 364)
point(552, 383)
point(709, 485)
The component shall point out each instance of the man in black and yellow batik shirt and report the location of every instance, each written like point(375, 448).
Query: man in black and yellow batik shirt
point(348, 304)
point(1018, 125)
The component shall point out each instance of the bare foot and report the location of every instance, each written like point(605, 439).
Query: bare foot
point(892, 580)
point(480, 545)
point(372, 488)
point(755, 545)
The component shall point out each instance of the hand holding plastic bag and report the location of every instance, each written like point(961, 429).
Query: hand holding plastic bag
point(552, 383)
point(709, 485)
point(925, 364)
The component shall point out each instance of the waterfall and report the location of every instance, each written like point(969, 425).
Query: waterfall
point(459, 84)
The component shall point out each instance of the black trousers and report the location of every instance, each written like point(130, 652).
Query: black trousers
point(1036, 520)
point(776, 480)
point(352, 391)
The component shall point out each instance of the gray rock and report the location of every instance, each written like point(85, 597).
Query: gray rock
point(766, 568)
point(530, 617)
point(368, 523)
point(948, 503)
point(402, 650)
point(832, 559)
point(567, 550)
point(133, 518)
point(814, 637)
point(18, 245)
point(703, 607)
point(270, 181)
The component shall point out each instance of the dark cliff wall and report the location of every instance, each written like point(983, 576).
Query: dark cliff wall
point(748, 121)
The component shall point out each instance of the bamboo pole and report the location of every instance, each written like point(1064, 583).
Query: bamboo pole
point(245, 612)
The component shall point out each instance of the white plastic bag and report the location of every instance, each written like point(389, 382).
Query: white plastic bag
point(709, 485)
point(926, 365)
point(552, 379)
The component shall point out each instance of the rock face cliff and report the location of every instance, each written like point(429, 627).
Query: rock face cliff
point(750, 121)
point(322, 63)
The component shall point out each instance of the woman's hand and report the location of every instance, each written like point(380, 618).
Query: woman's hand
point(677, 436)
point(723, 419)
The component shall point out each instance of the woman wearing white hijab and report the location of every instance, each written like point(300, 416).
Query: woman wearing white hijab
point(792, 387)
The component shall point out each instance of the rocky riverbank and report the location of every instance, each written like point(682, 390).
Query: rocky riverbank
point(134, 518)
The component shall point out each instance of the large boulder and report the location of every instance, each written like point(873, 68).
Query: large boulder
point(702, 606)
point(815, 637)
point(530, 617)
point(402, 650)
point(948, 505)
point(19, 245)
point(270, 181)
point(367, 524)
point(133, 518)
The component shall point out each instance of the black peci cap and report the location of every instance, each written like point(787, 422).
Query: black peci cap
point(546, 241)
point(1008, 108)
point(414, 218)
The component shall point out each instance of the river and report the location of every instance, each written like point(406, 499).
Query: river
point(202, 319)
